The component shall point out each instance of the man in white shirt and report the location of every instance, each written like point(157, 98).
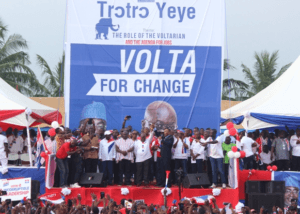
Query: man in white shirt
point(188, 140)
point(124, 148)
point(16, 147)
point(142, 157)
point(197, 154)
point(295, 143)
point(3, 152)
point(247, 143)
point(216, 157)
point(180, 154)
point(107, 154)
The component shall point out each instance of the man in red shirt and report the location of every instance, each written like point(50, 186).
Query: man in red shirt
point(66, 149)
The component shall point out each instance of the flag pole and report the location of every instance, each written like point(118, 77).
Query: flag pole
point(29, 142)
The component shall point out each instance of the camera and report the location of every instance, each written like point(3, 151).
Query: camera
point(179, 174)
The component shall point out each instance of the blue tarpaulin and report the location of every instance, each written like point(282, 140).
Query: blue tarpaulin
point(237, 120)
point(22, 172)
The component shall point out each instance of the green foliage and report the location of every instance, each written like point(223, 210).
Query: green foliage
point(237, 89)
point(264, 72)
point(14, 64)
point(53, 77)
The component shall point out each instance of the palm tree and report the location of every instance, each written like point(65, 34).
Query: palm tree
point(264, 71)
point(14, 64)
point(54, 81)
point(238, 89)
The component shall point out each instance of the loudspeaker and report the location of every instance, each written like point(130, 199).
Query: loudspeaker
point(275, 187)
point(253, 187)
point(268, 200)
point(35, 189)
point(264, 187)
point(91, 180)
point(196, 180)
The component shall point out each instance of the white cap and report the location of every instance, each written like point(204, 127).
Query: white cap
point(107, 133)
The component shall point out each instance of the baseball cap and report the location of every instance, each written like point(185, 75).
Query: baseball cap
point(107, 133)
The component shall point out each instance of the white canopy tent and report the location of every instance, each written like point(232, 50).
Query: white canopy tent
point(276, 105)
point(13, 107)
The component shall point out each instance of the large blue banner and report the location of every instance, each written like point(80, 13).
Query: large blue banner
point(158, 61)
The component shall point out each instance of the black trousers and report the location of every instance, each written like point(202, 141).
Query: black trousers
point(166, 166)
point(75, 168)
point(226, 171)
point(159, 172)
point(90, 165)
point(248, 162)
point(142, 170)
point(124, 168)
point(189, 166)
point(295, 163)
point(208, 170)
point(282, 165)
point(116, 173)
point(56, 177)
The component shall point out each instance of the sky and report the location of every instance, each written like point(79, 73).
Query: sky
point(252, 26)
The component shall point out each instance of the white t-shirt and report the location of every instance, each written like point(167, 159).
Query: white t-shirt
point(266, 158)
point(142, 149)
point(296, 147)
point(206, 152)
point(3, 140)
point(215, 150)
point(17, 145)
point(246, 143)
point(107, 150)
point(187, 141)
point(238, 144)
point(10, 140)
point(180, 152)
point(198, 149)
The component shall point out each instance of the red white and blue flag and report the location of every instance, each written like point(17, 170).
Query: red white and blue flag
point(40, 148)
point(200, 200)
point(55, 198)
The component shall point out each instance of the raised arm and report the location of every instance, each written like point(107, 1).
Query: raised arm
point(124, 122)
point(82, 130)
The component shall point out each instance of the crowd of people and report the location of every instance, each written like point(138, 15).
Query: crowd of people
point(106, 205)
point(143, 157)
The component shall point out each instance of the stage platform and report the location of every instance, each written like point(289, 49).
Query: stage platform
point(149, 195)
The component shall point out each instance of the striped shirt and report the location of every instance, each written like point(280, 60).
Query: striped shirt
point(124, 145)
